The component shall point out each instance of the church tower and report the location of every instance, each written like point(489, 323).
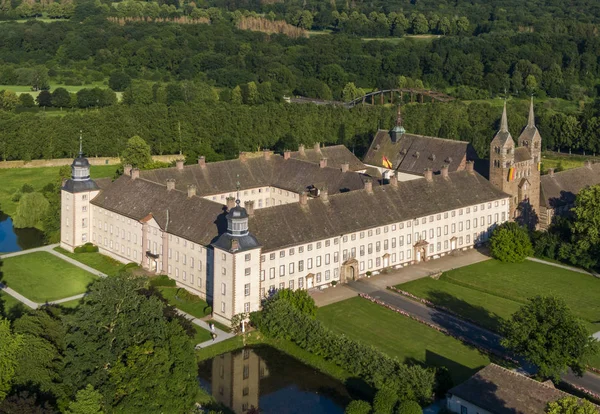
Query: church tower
point(75, 210)
point(502, 159)
point(531, 139)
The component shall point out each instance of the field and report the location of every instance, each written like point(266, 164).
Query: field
point(398, 40)
point(491, 291)
point(553, 160)
point(42, 277)
point(100, 262)
point(19, 89)
point(401, 337)
point(197, 308)
point(13, 179)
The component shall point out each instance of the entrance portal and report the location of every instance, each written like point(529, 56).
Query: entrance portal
point(310, 281)
point(421, 251)
point(349, 271)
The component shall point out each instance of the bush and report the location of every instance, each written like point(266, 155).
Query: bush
point(385, 401)
point(299, 299)
point(358, 407)
point(27, 189)
point(162, 280)
point(409, 407)
point(510, 243)
point(16, 197)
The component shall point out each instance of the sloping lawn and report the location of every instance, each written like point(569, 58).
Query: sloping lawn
point(100, 262)
point(179, 298)
point(519, 281)
point(401, 337)
point(42, 277)
point(10, 302)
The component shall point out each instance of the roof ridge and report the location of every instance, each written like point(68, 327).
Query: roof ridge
point(518, 374)
point(430, 137)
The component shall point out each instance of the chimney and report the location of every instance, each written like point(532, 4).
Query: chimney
point(301, 150)
point(191, 190)
point(588, 164)
point(469, 168)
point(324, 194)
point(394, 180)
point(428, 174)
point(202, 161)
point(135, 173)
point(303, 198)
point(317, 147)
point(369, 186)
point(230, 202)
point(345, 167)
point(179, 164)
point(127, 169)
point(444, 171)
point(287, 154)
point(249, 206)
point(243, 156)
point(267, 154)
point(170, 184)
point(551, 172)
point(323, 163)
point(235, 245)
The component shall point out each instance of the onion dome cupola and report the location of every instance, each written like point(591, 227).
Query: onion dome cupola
point(80, 174)
point(398, 130)
point(237, 221)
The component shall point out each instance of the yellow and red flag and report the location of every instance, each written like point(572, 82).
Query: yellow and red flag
point(511, 174)
point(386, 162)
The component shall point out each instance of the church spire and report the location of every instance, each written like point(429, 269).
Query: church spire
point(504, 121)
point(80, 143)
point(399, 116)
point(531, 120)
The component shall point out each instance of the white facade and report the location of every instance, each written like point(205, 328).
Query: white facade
point(267, 196)
point(460, 406)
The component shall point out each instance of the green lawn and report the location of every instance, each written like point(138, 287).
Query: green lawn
point(42, 277)
point(401, 337)
point(100, 262)
point(10, 302)
point(202, 335)
point(71, 304)
point(12, 179)
point(551, 160)
point(219, 325)
point(176, 297)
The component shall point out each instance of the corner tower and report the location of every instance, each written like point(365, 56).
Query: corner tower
point(75, 209)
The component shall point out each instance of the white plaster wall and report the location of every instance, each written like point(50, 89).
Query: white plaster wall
point(262, 196)
point(455, 405)
point(76, 218)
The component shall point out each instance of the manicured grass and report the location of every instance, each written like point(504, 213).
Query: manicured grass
point(72, 304)
point(202, 335)
point(100, 262)
point(401, 337)
point(176, 297)
point(10, 302)
point(42, 277)
point(551, 160)
point(12, 179)
point(518, 282)
point(220, 325)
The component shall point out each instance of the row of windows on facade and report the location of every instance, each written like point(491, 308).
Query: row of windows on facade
point(246, 307)
point(113, 246)
point(184, 277)
point(418, 236)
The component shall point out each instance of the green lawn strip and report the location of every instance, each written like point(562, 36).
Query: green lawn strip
point(10, 302)
point(198, 309)
point(42, 277)
point(12, 179)
point(483, 308)
point(100, 262)
point(219, 325)
point(520, 281)
point(202, 335)
point(72, 304)
point(401, 337)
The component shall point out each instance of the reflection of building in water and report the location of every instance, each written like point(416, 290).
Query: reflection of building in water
point(236, 379)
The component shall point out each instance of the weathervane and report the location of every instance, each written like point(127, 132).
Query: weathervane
point(237, 185)
point(80, 142)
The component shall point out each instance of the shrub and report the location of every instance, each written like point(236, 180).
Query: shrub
point(27, 189)
point(510, 243)
point(385, 401)
point(162, 280)
point(90, 248)
point(299, 299)
point(358, 407)
point(16, 197)
point(409, 407)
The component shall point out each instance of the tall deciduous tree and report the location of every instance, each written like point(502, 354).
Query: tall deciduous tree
point(586, 226)
point(10, 345)
point(137, 153)
point(87, 401)
point(510, 243)
point(31, 209)
point(547, 334)
point(571, 405)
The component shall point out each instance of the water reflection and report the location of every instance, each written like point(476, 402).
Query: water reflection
point(266, 379)
point(14, 240)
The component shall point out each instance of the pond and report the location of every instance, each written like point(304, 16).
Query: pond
point(14, 240)
point(266, 379)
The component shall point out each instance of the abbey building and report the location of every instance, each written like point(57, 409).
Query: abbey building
point(234, 231)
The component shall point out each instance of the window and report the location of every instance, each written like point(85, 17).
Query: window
point(327, 275)
point(336, 257)
point(463, 410)
point(300, 283)
point(223, 271)
point(318, 261)
point(282, 253)
point(370, 248)
point(184, 275)
point(281, 270)
point(300, 265)
point(319, 245)
point(319, 277)
point(223, 287)
point(262, 275)
point(272, 256)
point(309, 264)
point(272, 273)
point(327, 258)
point(309, 247)
point(223, 257)
point(247, 289)
point(248, 257)
point(362, 250)
point(247, 271)
point(291, 270)
point(445, 230)
point(401, 241)
point(223, 307)
point(282, 285)
point(291, 252)
point(301, 249)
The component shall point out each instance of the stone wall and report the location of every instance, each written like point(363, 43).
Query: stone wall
point(57, 162)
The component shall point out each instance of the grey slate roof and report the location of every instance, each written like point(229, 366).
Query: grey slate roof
point(194, 219)
point(290, 224)
point(522, 154)
point(500, 391)
point(565, 185)
point(336, 156)
point(73, 186)
point(221, 177)
point(246, 242)
point(413, 153)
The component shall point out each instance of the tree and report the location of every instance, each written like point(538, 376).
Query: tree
point(119, 81)
point(44, 99)
point(510, 243)
point(31, 209)
point(137, 153)
point(358, 407)
point(547, 334)
point(8, 100)
point(39, 78)
point(236, 96)
point(251, 96)
point(121, 342)
point(385, 401)
point(87, 401)
point(531, 84)
point(419, 24)
point(26, 101)
point(409, 407)
point(299, 299)
point(61, 98)
point(10, 344)
point(571, 405)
